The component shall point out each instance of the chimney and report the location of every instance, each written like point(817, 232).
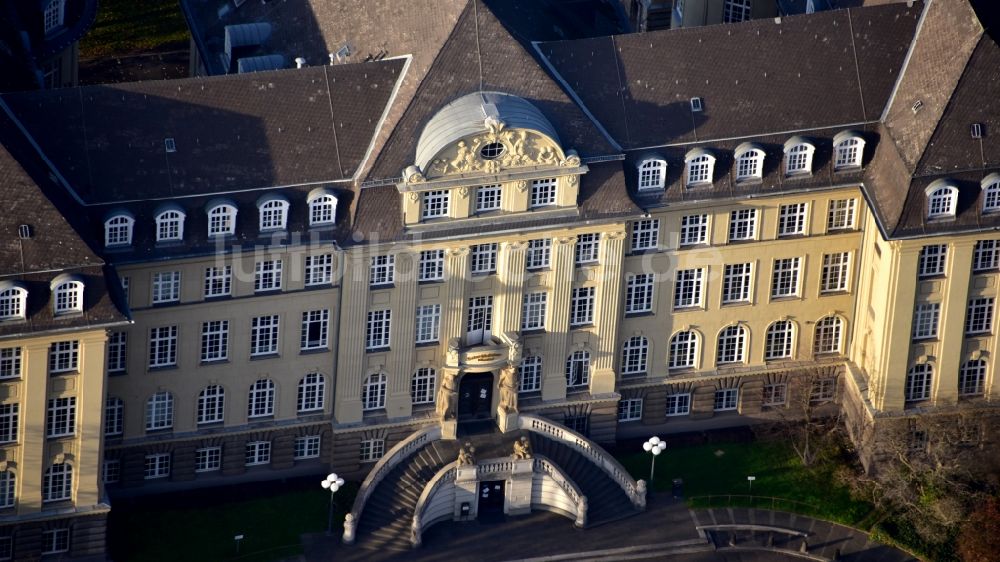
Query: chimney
point(300, 62)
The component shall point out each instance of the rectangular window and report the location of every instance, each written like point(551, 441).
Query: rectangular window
point(841, 214)
point(214, 340)
point(61, 417)
point(111, 472)
point(678, 404)
point(372, 449)
point(258, 453)
point(587, 246)
point(932, 260)
point(579, 424)
point(539, 253)
point(377, 336)
point(55, 541)
point(488, 198)
point(315, 327)
point(736, 283)
point(319, 269)
point(435, 204)
point(639, 293)
point(530, 374)
point(925, 320)
point(157, 466)
point(114, 417)
point(775, 394)
point(742, 224)
point(218, 281)
point(117, 352)
point(533, 316)
point(694, 230)
point(630, 409)
point(431, 265)
point(126, 281)
point(8, 423)
point(823, 390)
point(10, 362)
point(543, 192)
point(267, 276)
point(166, 287)
point(792, 219)
point(726, 399)
point(645, 234)
point(306, 447)
point(484, 258)
point(582, 306)
point(428, 323)
point(987, 255)
point(383, 271)
point(687, 290)
point(836, 270)
point(64, 356)
point(264, 335)
point(785, 282)
point(979, 318)
point(208, 459)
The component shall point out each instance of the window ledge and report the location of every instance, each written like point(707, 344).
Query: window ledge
point(837, 293)
point(642, 251)
point(639, 314)
point(263, 356)
point(532, 331)
point(736, 304)
point(427, 343)
point(207, 362)
point(153, 369)
point(314, 350)
point(376, 349)
point(381, 286)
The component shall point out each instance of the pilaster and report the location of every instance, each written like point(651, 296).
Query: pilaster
point(32, 460)
point(90, 397)
point(951, 330)
point(889, 383)
point(399, 403)
point(554, 361)
point(509, 297)
point(456, 278)
point(350, 359)
point(608, 309)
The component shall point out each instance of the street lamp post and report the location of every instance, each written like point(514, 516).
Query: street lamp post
point(332, 483)
point(655, 446)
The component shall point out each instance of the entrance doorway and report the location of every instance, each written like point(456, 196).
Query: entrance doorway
point(491, 493)
point(475, 396)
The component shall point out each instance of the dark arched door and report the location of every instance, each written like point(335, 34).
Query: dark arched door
point(475, 396)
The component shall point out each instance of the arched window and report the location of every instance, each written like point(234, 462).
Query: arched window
point(578, 369)
point(829, 333)
point(732, 345)
point(848, 147)
point(422, 385)
point(13, 302)
point(118, 230)
point(312, 391)
point(991, 193)
point(652, 174)
point(749, 162)
point(261, 399)
point(778, 340)
point(211, 404)
point(918, 383)
point(373, 392)
point(170, 225)
point(58, 484)
point(972, 378)
point(798, 156)
point(221, 219)
point(7, 489)
point(683, 350)
point(942, 199)
point(273, 213)
point(700, 165)
point(322, 209)
point(160, 411)
point(67, 296)
point(634, 355)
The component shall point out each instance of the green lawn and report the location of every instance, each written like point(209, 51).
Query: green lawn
point(130, 27)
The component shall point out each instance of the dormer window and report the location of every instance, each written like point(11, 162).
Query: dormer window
point(488, 198)
point(700, 164)
point(118, 230)
point(54, 15)
point(991, 193)
point(749, 162)
point(322, 208)
point(798, 156)
point(942, 200)
point(13, 301)
point(848, 147)
point(221, 219)
point(435, 204)
point(273, 213)
point(170, 225)
point(652, 174)
point(67, 295)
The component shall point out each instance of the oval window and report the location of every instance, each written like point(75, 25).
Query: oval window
point(492, 151)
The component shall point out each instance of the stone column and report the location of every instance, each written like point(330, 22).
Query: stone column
point(456, 273)
point(951, 329)
point(399, 403)
point(557, 338)
point(351, 348)
point(509, 296)
point(608, 312)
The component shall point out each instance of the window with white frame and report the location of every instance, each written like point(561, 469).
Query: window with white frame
point(431, 265)
point(986, 256)
point(699, 170)
point(487, 198)
point(639, 293)
point(306, 447)
point(775, 394)
point(382, 271)
point(315, 329)
point(778, 340)
point(160, 411)
point(55, 541)
point(687, 288)
point(829, 335)
point(972, 378)
point(652, 174)
point(258, 453)
point(166, 287)
point(979, 316)
point(125, 281)
point(840, 214)
point(156, 466)
point(422, 385)
point(273, 214)
point(694, 230)
point(582, 306)
point(848, 152)
point(67, 297)
point(991, 193)
point(539, 253)
point(836, 272)
point(629, 409)
point(10, 362)
point(208, 459)
point(260, 401)
point(735, 11)
point(578, 369)
point(372, 449)
point(785, 280)
point(823, 390)
point(373, 392)
point(634, 353)
point(169, 226)
point(211, 404)
point(111, 473)
point(267, 276)
point(678, 404)
point(726, 399)
point(736, 283)
point(377, 334)
point(264, 335)
point(54, 14)
point(792, 219)
point(13, 303)
point(311, 393)
point(483, 258)
point(529, 374)
point(435, 204)
point(118, 231)
point(941, 202)
point(64, 356)
point(114, 416)
point(732, 345)
point(543, 192)
point(749, 164)
point(742, 224)
point(645, 234)
point(798, 159)
point(214, 340)
point(9, 416)
point(918, 383)
point(7, 498)
point(319, 269)
point(322, 210)
point(587, 248)
point(218, 281)
point(533, 313)
point(58, 483)
point(683, 350)
point(932, 261)
point(221, 220)
point(925, 320)
point(428, 323)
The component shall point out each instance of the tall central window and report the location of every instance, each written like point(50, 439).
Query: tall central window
point(480, 321)
point(543, 192)
point(582, 306)
point(264, 335)
point(377, 335)
point(435, 204)
point(687, 290)
point(488, 198)
point(736, 283)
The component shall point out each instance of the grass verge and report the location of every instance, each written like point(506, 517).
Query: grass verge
point(130, 27)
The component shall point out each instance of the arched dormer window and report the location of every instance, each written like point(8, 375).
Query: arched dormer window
point(991, 193)
point(798, 156)
point(13, 300)
point(322, 207)
point(942, 199)
point(170, 224)
point(118, 230)
point(652, 174)
point(700, 166)
point(749, 162)
point(67, 294)
point(273, 212)
point(221, 219)
point(848, 148)
point(54, 15)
